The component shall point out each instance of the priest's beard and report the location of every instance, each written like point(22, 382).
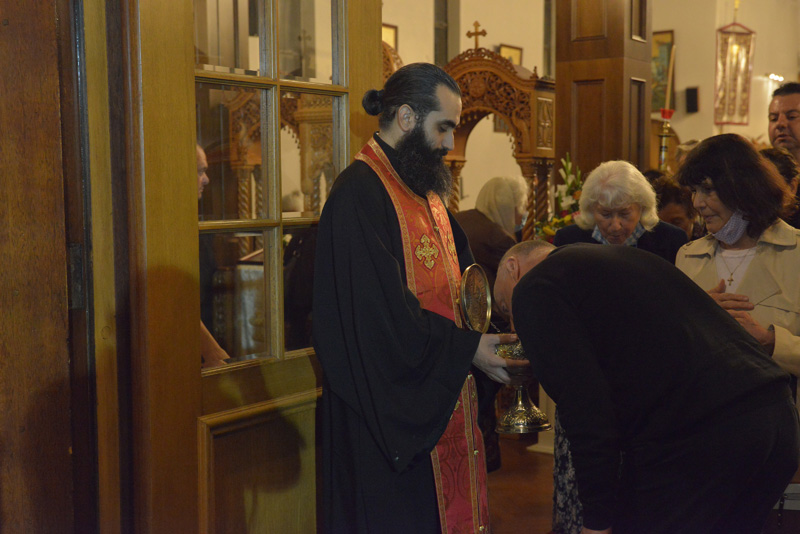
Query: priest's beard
point(422, 167)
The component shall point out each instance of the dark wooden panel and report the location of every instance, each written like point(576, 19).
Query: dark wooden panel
point(588, 147)
point(602, 113)
point(638, 10)
point(36, 465)
point(596, 29)
point(589, 20)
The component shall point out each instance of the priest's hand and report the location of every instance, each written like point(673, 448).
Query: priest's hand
point(729, 301)
point(585, 530)
point(490, 363)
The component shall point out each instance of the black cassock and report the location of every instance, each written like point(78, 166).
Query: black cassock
point(392, 371)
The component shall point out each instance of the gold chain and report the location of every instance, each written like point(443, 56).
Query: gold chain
point(741, 261)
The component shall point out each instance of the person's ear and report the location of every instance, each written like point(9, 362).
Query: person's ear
point(406, 118)
point(512, 266)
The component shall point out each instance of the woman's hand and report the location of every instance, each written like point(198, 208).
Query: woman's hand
point(729, 301)
point(585, 530)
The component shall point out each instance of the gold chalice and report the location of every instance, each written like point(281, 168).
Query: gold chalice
point(523, 417)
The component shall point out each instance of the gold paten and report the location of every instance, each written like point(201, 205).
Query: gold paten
point(476, 299)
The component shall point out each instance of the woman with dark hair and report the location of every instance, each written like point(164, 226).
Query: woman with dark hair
point(675, 206)
point(749, 261)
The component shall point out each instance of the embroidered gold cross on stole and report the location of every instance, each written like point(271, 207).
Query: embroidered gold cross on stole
point(428, 250)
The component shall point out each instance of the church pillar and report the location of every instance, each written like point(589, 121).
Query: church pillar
point(603, 81)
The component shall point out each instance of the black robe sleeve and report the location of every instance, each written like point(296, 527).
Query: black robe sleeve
point(398, 367)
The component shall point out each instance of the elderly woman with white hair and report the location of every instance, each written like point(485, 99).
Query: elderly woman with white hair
point(618, 207)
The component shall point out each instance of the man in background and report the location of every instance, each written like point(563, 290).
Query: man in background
point(211, 353)
point(784, 127)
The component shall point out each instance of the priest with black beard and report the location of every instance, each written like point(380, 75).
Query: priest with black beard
point(402, 451)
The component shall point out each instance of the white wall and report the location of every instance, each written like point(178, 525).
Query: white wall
point(414, 21)
point(694, 24)
point(512, 22)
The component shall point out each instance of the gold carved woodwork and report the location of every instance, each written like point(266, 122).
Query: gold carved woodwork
point(456, 166)
point(391, 60)
point(491, 84)
point(309, 118)
point(314, 117)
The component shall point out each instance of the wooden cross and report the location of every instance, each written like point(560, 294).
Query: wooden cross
point(476, 33)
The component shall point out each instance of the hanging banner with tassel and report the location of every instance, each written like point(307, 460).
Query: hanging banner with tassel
point(735, 47)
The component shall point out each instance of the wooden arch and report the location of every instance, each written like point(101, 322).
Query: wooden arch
point(491, 84)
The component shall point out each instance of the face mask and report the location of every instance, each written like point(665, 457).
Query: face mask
point(733, 230)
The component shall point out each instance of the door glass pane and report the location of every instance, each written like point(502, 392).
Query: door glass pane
point(229, 128)
point(299, 244)
point(226, 36)
point(307, 164)
point(306, 40)
point(234, 306)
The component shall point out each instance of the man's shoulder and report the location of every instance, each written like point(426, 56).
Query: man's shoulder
point(356, 177)
point(357, 183)
point(572, 234)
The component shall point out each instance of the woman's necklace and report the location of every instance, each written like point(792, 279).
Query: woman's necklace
point(741, 261)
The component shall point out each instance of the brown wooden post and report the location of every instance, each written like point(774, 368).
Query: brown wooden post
point(603, 81)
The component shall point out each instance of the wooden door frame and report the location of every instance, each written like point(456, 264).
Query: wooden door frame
point(140, 96)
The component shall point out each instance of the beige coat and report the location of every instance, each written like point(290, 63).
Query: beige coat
point(772, 282)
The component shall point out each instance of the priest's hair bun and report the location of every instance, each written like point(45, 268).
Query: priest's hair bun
point(373, 102)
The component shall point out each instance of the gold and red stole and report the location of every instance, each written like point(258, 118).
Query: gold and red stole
point(433, 274)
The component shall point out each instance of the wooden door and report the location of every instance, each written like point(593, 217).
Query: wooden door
point(230, 448)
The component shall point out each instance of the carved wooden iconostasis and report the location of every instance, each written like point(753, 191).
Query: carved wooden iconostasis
point(236, 190)
point(308, 117)
point(491, 84)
